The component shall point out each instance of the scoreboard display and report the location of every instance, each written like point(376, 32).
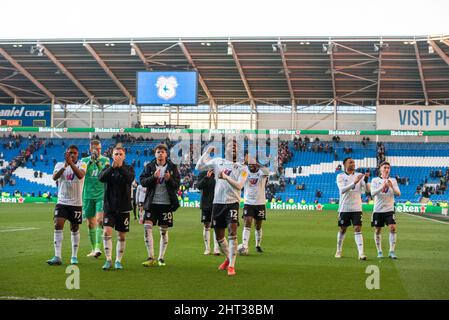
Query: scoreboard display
point(167, 88)
point(10, 123)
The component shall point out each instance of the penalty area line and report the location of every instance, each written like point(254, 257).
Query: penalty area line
point(28, 298)
point(434, 220)
point(18, 229)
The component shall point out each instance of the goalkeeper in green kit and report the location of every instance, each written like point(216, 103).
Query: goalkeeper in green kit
point(93, 194)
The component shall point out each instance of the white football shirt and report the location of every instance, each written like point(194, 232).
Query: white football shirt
point(70, 188)
point(254, 193)
point(350, 194)
point(225, 193)
point(141, 193)
point(384, 199)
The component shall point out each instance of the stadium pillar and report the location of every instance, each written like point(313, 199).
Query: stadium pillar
point(253, 115)
point(169, 115)
point(335, 114)
point(102, 115)
point(52, 115)
point(129, 114)
point(213, 114)
point(91, 114)
point(216, 116)
point(65, 116)
point(210, 115)
point(139, 114)
point(293, 115)
point(256, 120)
point(91, 117)
point(251, 119)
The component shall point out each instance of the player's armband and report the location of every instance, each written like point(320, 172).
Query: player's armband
point(83, 166)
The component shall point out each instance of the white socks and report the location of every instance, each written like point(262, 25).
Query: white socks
point(232, 250)
point(75, 237)
point(120, 250)
point(149, 242)
point(245, 236)
point(378, 241)
point(206, 237)
point(57, 238)
point(393, 236)
point(148, 236)
point(340, 239)
point(107, 244)
point(164, 242)
point(216, 245)
point(359, 241)
point(258, 234)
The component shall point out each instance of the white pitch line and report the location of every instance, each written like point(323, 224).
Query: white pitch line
point(18, 229)
point(28, 298)
point(434, 220)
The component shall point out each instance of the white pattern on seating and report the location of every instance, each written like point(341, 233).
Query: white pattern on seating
point(329, 167)
point(28, 174)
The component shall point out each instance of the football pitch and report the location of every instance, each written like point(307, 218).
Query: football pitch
point(298, 262)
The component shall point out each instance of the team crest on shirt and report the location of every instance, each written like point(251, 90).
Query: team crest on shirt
point(166, 87)
point(253, 181)
point(227, 171)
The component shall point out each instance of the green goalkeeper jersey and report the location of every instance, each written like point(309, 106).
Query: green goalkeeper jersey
point(93, 188)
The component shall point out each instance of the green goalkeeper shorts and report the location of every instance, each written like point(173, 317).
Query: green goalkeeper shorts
point(91, 207)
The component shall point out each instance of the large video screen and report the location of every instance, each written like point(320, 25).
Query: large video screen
point(178, 88)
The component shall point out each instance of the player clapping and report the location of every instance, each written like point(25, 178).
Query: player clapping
point(70, 177)
point(117, 205)
point(384, 189)
point(255, 204)
point(351, 185)
point(230, 179)
point(161, 178)
point(93, 194)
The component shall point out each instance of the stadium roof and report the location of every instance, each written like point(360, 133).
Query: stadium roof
point(279, 71)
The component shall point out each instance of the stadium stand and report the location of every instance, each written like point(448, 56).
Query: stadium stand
point(305, 167)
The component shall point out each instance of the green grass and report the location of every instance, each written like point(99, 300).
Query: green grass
point(298, 262)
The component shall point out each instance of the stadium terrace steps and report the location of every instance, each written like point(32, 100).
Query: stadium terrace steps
point(30, 187)
point(413, 160)
point(329, 167)
point(28, 174)
point(429, 161)
point(5, 164)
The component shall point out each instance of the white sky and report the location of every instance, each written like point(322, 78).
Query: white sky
point(39, 19)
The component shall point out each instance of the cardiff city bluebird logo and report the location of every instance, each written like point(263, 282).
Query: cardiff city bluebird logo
point(166, 87)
